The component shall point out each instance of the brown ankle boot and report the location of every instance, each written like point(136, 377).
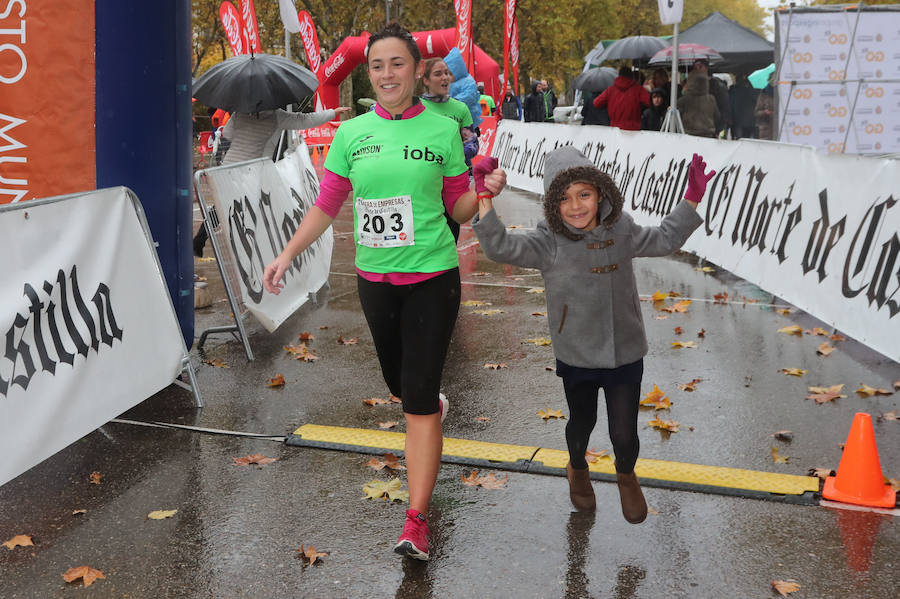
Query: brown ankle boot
point(634, 508)
point(580, 490)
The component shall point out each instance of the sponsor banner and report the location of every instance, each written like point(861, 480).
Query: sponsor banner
point(260, 205)
point(509, 17)
point(514, 54)
point(488, 130)
point(838, 87)
point(464, 32)
point(310, 42)
point(47, 145)
point(234, 28)
point(322, 135)
point(88, 320)
point(248, 15)
point(820, 231)
point(670, 11)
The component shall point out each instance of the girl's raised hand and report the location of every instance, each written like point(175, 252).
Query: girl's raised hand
point(697, 179)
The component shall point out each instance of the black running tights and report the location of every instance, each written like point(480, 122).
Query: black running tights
point(621, 408)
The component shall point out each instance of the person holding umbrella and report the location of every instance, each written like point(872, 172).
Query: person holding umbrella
point(404, 165)
point(625, 100)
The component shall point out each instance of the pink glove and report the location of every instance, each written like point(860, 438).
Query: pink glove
point(484, 167)
point(697, 179)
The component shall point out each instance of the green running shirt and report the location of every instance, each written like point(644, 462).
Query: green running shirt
point(453, 109)
point(397, 169)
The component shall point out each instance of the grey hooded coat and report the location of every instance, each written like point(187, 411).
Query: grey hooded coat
point(593, 307)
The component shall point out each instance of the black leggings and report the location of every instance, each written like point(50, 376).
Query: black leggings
point(411, 327)
point(622, 402)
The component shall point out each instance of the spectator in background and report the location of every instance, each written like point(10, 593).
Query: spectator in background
point(487, 103)
point(511, 107)
point(719, 91)
point(625, 99)
point(591, 115)
point(660, 79)
point(742, 98)
point(534, 109)
point(765, 113)
point(653, 116)
point(699, 111)
point(549, 100)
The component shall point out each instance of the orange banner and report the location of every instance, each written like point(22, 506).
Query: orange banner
point(47, 82)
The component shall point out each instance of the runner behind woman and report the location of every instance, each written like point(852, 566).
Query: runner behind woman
point(584, 249)
point(404, 165)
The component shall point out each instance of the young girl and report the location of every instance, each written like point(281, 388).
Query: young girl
point(583, 249)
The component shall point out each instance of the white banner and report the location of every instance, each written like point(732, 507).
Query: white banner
point(88, 323)
point(820, 231)
point(670, 11)
point(840, 79)
point(260, 204)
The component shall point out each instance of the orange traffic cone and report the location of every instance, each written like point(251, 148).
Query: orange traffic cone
point(315, 155)
point(859, 480)
point(324, 152)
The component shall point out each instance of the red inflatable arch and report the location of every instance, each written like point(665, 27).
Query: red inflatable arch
point(352, 52)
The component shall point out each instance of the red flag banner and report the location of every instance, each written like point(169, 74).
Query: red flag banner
point(310, 43)
point(514, 53)
point(464, 32)
point(234, 28)
point(248, 13)
point(509, 16)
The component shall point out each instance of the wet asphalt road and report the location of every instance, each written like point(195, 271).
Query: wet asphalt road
point(237, 528)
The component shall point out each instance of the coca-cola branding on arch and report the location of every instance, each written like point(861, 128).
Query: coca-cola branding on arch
point(336, 61)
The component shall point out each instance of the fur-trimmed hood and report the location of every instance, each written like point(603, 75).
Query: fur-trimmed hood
point(565, 166)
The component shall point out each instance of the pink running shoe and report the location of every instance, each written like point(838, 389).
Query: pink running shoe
point(445, 405)
point(413, 542)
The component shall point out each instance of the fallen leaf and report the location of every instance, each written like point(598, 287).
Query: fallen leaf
point(256, 458)
point(890, 416)
point(342, 341)
point(792, 330)
point(793, 371)
point(674, 293)
point(837, 338)
point(87, 574)
point(206, 259)
point(683, 344)
point(475, 303)
point(778, 458)
point(817, 331)
point(550, 368)
point(661, 316)
point(680, 306)
point(720, 298)
point(689, 387)
point(217, 362)
point(678, 330)
point(784, 311)
point(705, 269)
point(539, 313)
point(18, 541)
point(394, 399)
point(825, 394)
point(305, 355)
point(488, 481)
point(306, 337)
point(388, 460)
point(79, 512)
point(894, 482)
point(482, 419)
point(390, 490)
point(388, 424)
point(547, 414)
point(822, 473)
point(494, 366)
point(787, 436)
point(324, 327)
point(488, 312)
point(277, 381)
point(310, 555)
point(784, 587)
point(748, 300)
point(375, 401)
point(867, 391)
point(652, 511)
point(824, 349)
point(664, 425)
point(831, 389)
point(656, 399)
point(593, 456)
point(701, 333)
point(480, 273)
point(896, 384)
point(161, 514)
point(95, 478)
point(659, 296)
point(535, 290)
point(539, 341)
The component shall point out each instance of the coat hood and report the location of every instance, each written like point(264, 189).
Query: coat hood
point(624, 83)
point(697, 85)
point(565, 166)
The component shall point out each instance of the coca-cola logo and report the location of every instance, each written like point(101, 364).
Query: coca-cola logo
point(233, 30)
point(307, 33)
point(336, 61)
point(514, 50)
point(250, 25)
point(462, 22)
point(510, 15)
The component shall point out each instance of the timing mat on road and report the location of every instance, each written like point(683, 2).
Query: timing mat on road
point(785, 488)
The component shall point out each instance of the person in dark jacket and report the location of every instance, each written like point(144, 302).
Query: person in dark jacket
point(511, 107)
point(653, 117)
point(534, 104)
point(625, 100)
point(699, 111)
point(591, 115)
point(584, 250)
point(742, 98)
point(719, 91)
point(765, 113)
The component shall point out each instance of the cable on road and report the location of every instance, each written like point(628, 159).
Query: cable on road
point(201, 429)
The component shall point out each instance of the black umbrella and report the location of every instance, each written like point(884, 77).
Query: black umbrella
point(254, 82)
point(636, 47)
point(596, 80)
